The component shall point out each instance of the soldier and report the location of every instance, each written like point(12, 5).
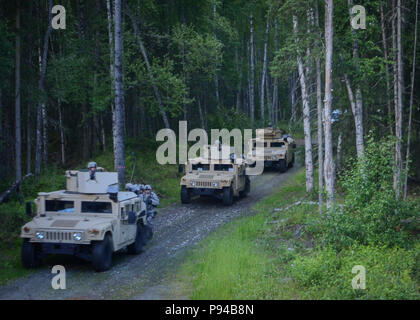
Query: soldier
point(141, 191)
point(152, 201)
point(92, 166)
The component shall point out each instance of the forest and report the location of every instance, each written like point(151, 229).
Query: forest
point(109, 74)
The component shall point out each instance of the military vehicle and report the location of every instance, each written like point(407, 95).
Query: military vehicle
point(217, 173)
point(274, 148)
point(91, 219)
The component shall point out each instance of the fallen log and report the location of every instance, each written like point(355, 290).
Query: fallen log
point(7, 193)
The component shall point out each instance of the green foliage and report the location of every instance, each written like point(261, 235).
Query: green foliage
point(371, 214)
point(390, 273)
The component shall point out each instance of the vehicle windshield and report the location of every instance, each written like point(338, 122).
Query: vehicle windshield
point(260, 145)
point(223, 167)
point(59, 206)
point(96, 207)
point(201, 167)
point(277, 144)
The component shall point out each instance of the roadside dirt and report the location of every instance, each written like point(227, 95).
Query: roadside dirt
point(177, 229)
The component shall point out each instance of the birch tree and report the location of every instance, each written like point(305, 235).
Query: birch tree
point(329, 160)
point(252, 71)
point(119, 134)
point(43, 68)
point(18, 137)
point(264, 71)
point(306, 117)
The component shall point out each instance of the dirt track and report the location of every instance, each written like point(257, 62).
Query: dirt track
point(146, 276)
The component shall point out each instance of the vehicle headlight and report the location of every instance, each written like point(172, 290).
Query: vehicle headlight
point(77, 236)
point(193, 183)
point(215, 184)
point(40, 235)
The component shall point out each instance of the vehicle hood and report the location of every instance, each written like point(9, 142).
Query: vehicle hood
point(69, 223)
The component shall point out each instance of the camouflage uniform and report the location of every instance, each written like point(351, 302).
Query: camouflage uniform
point(152, 201)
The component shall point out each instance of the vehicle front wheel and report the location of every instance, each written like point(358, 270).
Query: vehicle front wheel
point(30, 254)
point(281, 165)
point(185, 195)
point(102, 254)
point(247, 188)
point(227, 196)
point(137, 246)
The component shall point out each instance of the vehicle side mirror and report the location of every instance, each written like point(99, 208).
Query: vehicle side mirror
point(29, 209)
point(132, 217)
point(181, 168)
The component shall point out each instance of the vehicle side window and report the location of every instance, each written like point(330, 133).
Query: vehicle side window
point(96, 207)
point(223, 167)
point(277, 144)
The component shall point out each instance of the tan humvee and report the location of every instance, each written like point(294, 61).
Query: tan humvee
point(91, 219)
point(218, 173)
point(274, 148)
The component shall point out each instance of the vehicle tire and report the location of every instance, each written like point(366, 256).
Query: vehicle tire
point(281, 165)
point(148, 233)
point(137, 246)
point(102, 254)
point(247, 188)
point(185, 195)
point(30, 254)
point(291, 163)
point(227, 196)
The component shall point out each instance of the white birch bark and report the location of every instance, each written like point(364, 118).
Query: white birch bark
point(329, 160)
point(306, 118)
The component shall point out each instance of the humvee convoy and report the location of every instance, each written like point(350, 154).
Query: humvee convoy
point(91, 219)
point(217, 173)
point(274, 148)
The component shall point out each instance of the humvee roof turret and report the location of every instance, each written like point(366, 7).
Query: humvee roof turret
point(273, 147)
point(217, 173)
point(91, 219)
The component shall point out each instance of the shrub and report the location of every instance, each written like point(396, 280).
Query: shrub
point(390, 273)
point(371, 214)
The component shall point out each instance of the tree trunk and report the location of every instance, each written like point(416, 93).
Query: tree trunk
point(251, 86)
point(399, 106)
point(358, 106)
point(413, 71)
point(40, 108)
point(263, 76)
point(388, 85)
point(28, 141)
point(329, 159)
point(119, 135)
point(319, 113)
point(276, 79)
point(146, 60)
point(60, 121)
point(216, 77)
point(18, 137)
point(306, 117)
point(339, 152)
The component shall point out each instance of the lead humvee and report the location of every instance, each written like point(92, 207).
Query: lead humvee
point(218, 173)
point(91, 219)
point(274, 148)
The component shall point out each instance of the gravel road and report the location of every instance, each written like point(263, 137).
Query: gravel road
point(177, 229)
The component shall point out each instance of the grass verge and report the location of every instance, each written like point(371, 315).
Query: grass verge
point(274, 255)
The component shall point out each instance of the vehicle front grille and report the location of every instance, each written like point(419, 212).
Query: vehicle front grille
point(59, 236)
point(203, 184)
